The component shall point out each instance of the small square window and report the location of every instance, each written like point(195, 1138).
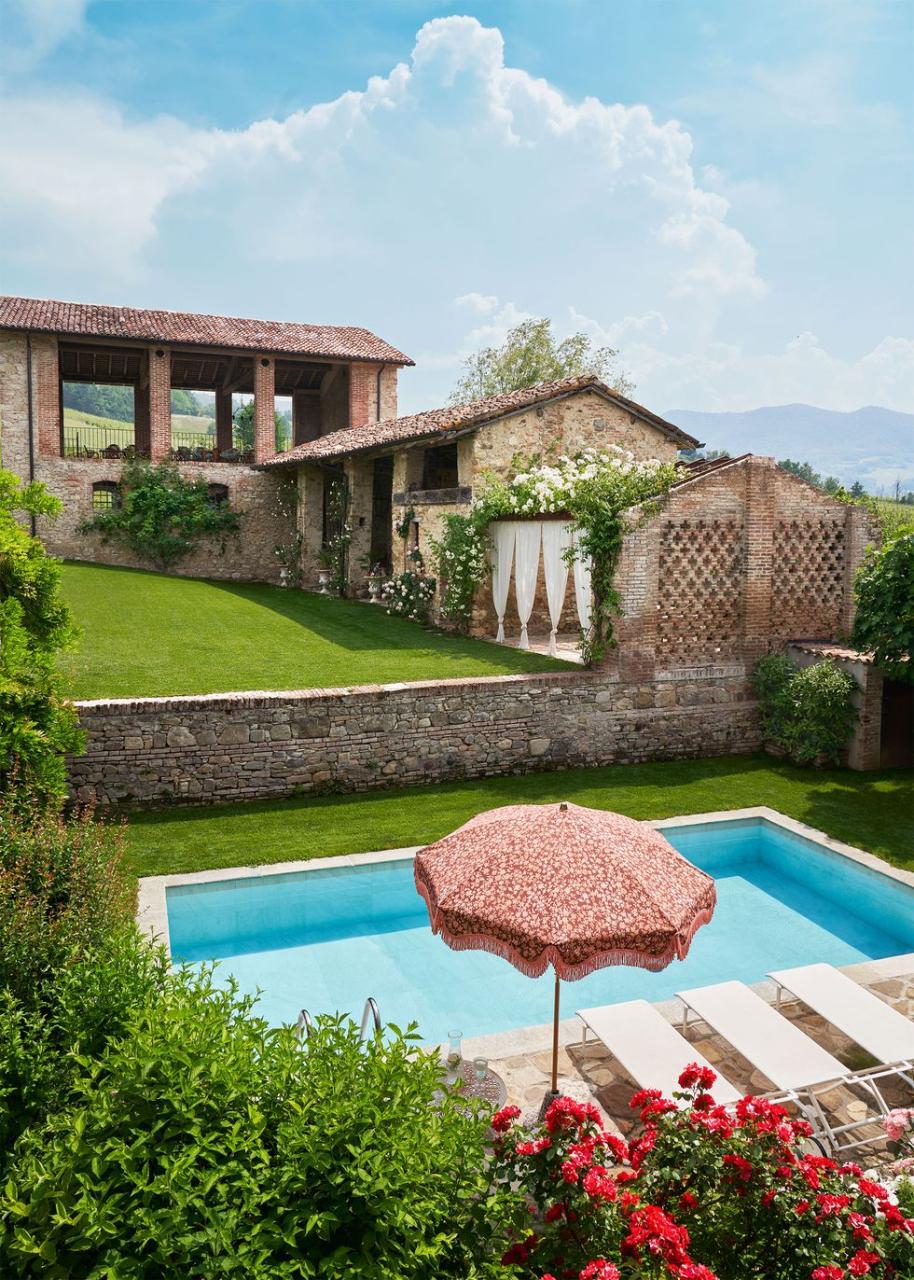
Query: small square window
point(105, 496)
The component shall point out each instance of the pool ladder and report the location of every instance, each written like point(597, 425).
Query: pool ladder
point(305, 1024)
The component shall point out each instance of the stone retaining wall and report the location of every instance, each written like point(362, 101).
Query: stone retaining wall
point(245, 746)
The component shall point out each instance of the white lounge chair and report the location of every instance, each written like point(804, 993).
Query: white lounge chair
point(650, 1051)
point(785, 1055)
point(885, 1034)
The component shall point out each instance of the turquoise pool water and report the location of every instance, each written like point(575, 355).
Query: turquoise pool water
point(328, 939)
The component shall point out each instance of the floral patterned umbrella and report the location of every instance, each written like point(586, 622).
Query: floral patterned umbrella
point(561, 885)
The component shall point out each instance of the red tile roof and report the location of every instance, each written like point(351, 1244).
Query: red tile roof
point(461, 417)
point(184, 328)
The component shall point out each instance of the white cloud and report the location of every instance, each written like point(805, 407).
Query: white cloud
point(455, 112)
point(34, 28)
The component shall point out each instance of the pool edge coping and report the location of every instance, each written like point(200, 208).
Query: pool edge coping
point(152, 910)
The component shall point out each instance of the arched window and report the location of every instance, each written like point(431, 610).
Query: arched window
point(105, 495)
point(217, 494)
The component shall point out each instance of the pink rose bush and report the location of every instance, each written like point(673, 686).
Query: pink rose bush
point(703, 1193)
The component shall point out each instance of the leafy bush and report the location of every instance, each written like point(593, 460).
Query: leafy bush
point(37, 726)
point(162, 516)
point(704, 1193)
point(885, 606)
point(62, 893)
point(205, 1144)
point(460, 556)
point(409, 595)
point(808, 712)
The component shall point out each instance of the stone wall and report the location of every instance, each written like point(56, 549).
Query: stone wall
point(265, 500)
point(227, 747)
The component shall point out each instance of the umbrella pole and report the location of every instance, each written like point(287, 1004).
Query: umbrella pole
point(555, 1039)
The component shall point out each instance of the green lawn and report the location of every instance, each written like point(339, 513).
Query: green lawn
point(146, 634)
point(872, 811)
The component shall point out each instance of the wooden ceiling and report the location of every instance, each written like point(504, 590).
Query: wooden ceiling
point(191, 370)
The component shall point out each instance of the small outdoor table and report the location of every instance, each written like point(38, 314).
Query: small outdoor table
point(491, 1088)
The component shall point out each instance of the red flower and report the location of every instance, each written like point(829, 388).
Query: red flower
point(695, 1271)
point(875, 1190)
point(694, 1075)
point(742, 1166)
point(554, 1212)
point(687, 1201)
point(600, 1269)
point(599, 1185)
point(861, 1262)
point(502, 1120)
point(830, 1272)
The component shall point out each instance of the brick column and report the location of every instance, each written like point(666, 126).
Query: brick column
point(223, 420)
point(363, 394)
point(858, 534)
point(159, 403)
point(46, 392)
point(759, 557)
point(141, 418)
point(264, 426)
point(637, 581)
point(306, 416)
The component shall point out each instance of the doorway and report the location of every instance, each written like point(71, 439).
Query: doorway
point(381, 512)
point(896, 738)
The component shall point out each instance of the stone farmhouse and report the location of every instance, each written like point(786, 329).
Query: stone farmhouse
point(741, 559)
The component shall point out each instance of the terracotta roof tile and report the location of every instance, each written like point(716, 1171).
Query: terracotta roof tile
point(81, 319)
point(460, 417)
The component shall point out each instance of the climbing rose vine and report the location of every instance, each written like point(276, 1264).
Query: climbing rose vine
point(703, 1193)
point(604, 494)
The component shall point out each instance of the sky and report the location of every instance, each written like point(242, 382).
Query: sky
point(721, 190)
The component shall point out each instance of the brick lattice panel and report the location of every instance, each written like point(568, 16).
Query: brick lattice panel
point(699, 613)
point(808, 577)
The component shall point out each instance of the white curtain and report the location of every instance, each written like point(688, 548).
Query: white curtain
point(556, 541)
point(582, 591)
point(502, 553)
point(526, 568)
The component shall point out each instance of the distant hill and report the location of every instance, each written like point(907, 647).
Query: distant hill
point(872, 445)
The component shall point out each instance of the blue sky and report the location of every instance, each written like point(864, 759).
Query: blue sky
point(722, 190)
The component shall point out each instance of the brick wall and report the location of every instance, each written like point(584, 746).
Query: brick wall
point(363, 394)
point(255, 494)
point(159, 403)
point(227, 747)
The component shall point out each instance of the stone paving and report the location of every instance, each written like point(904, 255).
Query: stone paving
point(587, 1072)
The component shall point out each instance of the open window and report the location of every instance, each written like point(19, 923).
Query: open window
point(98, 420)
point(217, 495)
point(105, 495)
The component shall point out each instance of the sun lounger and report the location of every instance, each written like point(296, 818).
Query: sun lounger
point(799, 1068)
point(651, 1052)
point(775, 1047)
point(885, 1034)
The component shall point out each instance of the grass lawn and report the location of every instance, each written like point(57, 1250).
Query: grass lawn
point(874, 811)
point(147, 634)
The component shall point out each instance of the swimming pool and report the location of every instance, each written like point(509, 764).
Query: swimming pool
point(327, 938)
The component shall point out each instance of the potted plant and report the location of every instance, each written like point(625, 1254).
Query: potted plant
point(376, 578)
point(324, 570)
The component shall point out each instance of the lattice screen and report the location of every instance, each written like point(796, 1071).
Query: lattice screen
point(807, 578)
point(701, 590)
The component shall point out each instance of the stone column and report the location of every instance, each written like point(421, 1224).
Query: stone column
point(159, 403)
point(306, 417)
point(223, 420)
point(264, 426)
point(310, 521)
point(360, 475)
point(759, 544)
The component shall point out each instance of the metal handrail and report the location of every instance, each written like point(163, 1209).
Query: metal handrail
point(371, 1006)
point(304, 1023)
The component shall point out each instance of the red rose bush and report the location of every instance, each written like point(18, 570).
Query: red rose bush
point(704, 1193)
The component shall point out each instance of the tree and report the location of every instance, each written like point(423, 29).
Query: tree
point(244, 428)
point(857, 490)
point(802, 469)
point(885, 606)
point(37, 726)
point(161, 516)
point(531, 354)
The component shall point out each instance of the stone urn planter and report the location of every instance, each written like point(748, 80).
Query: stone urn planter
point(323, 582)
point(375, 583)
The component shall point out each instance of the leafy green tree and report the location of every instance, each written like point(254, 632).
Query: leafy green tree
point(885, 606)
point(857, 490)
point(531, 354)
point(244, 428)
point(802, 469)
point(37, 726)
point(161, 516)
